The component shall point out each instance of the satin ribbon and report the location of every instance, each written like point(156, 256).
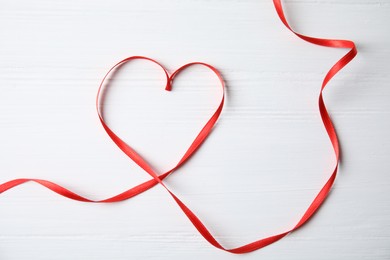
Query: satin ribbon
point(158, 179)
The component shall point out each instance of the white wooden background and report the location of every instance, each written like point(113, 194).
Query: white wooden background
point(256, 174)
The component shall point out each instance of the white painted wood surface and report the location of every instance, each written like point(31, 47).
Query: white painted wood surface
point(258, 171)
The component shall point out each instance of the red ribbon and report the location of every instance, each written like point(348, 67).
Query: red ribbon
point(158, 179)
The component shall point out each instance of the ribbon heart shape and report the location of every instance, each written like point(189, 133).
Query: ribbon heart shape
point(128, 150)
point(132, 154)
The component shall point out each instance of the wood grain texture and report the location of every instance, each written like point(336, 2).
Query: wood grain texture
point(257, 172)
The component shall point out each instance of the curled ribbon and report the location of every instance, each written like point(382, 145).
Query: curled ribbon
point(158, 179)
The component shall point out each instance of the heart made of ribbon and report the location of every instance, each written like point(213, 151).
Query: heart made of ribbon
point(131, 153)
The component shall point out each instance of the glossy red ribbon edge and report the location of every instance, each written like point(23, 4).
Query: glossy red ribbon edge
point(202, 136)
